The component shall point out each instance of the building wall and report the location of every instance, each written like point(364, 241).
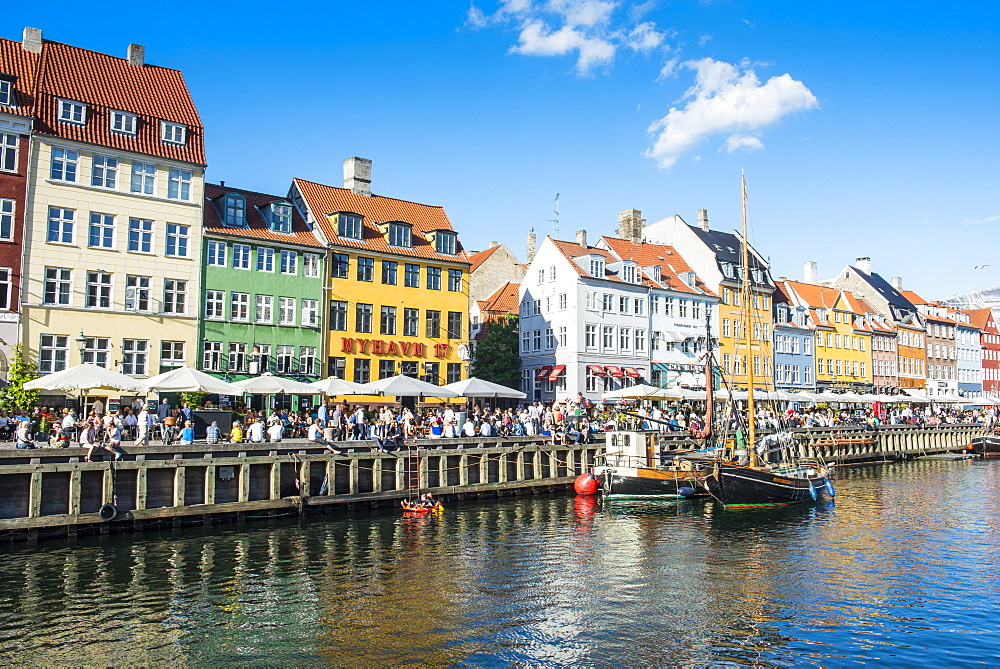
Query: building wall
point(969, 363)
point(502, 266)
point(13, 186)
point(672, 362)
point(733, 317)
point(884, 361)
point(845, 351)
point(794, 359)
point(942, 376)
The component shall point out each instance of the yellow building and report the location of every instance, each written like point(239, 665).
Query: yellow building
point(397, 289)
point(113, 236)
point(843, 336)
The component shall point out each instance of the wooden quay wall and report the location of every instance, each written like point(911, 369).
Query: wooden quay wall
point(53, 492)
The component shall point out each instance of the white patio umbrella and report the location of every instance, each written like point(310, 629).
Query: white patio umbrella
point(473, 387)
point(406, 386)
point(333, 386)
point(87, 376)
point(269, 384)
point(803, 396)
point(637, 392)
point(674, 393)
point(189, 380)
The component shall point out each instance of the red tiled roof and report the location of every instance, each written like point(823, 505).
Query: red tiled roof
point(670, 262)
point(505, 299)
point(376, 209)
point(981, 318)
point(105, 83)
point(479, 257)
point(23, 64)
point(257, 226)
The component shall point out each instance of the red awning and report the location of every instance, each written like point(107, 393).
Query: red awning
point(632, 372)
point(614, 371)
point(556, 371)
point(596, 370)
point(543, 373)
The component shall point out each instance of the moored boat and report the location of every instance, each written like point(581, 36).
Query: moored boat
point(987, 445)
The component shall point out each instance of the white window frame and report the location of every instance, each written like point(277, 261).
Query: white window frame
point(265, 259)
point(284, 359)
point(215, 305)
point(135, 357)
point(68, 161)
point(216, 253)
point(143, 178)
point(9, 146)
point(7, 97)
point(309, 312)
point(263, 309)
point(5, 287)
point(179, 184)
point(234, 210)
point(307, 360)
point(49, 348)
point(100, 284)
point(174, 296)
point(97, 351)
point(211, 356)
point(122, 123)
point(310, 265)
point(104, 171)
point(286, 311)
point(61, 224)
point(289, 263)
point(241, 256)
point(239, 307)
point(173, 133)
point(172, 353)
point(177, 237)
point(143, 235)
point(137, 291)
point(8, 211)
point(71, 111)
point(281, 221)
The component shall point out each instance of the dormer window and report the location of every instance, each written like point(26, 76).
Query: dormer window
point(349, 225)
point(72, 112)
point(728, 270)
point(235, 211)
point(173, 133)
point(281, 217)
point(758, 275)
point(6, 93)
point(655, 272)
point(123, 123)
point(597, 267)
point(401, 235)
point(446, 243)
point(628, 273)
point(821, 314)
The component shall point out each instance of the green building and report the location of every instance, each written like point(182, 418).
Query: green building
point(262, 286)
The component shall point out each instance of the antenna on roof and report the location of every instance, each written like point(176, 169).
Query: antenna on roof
point(554, 229)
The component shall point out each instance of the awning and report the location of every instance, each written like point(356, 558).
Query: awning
point(673, 335)
point(543, 373)
point(614, 371)
point(596, 370)
point(556, 372)
point(632, 372)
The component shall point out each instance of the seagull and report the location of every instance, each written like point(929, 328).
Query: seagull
point(981, 266)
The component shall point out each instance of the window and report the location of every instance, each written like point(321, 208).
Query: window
point(286, 311)
point(639, 306)
point(455, 280)
point(72, 112)
point(5, 287)
point(140, 235)
point(241, 256)
point(260, 359)
point(177, 240)
point(411, 322)
point(239, 306)
point(53, 352)
point(339, 265)
point(445, 243)
point(338, 315)
point(213, 304)
point(454, 329)
point(609, 302)
point(536, 340)
point(179, 185)
point(98, 290)
point(123, 122)
point(237, 357)
point(310, 265)
point(623, 304)
point(349, 225)
point(307, 360)
point(668, 306)
point(608, 337)
point(590, 332)
point(57, 284)
point(682, 308)
point(432, 324)
point(525, 341)
point(541, 275)
point(362, 370)
point(284, 360)
point(263, 309)
point(104, 171)
point(562, 335)
point(411, 279)
point(216, 254)
point(310, 313)
point(640, 340)
point(234, 210)
point(597, 267)
point(628, 273)
point(366, 269)
point(211, 356)
point(64, 165)
point(102, 231)
point(625, 339)
point(171, 355)
point(432, 372)
point(137, 293)
point(289, 262)
point(550, 339)
point(143, 178)
point(454, 372)
point(134, 354)
point(8, 151)
point(6, 93)
point(96, 351)
point(281, 217)
point(387, 322)
point(389, 272)
point(400, 235)
point(562, 301)
point(433, 278)
point(336, 367)
point(363, 318)
point(173, 133)
point(174, 296)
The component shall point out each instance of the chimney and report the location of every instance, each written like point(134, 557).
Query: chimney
point(630, 224)
point(581, 238)
point(358, 175)
point(809, 272)
point(864, 264)
point(896, 282)
point(493, 245)
point(703, 219)
point(32, 40)
point(136, 55)
point(532, 242)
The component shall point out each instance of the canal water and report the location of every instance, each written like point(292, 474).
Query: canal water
point(902, 570)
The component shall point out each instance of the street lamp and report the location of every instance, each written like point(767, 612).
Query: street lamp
point(81, 341)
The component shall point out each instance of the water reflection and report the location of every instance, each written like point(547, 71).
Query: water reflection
point(903, 564)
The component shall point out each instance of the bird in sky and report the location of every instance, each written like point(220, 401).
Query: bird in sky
point(981, 266)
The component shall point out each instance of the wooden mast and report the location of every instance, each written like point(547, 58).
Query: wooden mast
point(748, 361)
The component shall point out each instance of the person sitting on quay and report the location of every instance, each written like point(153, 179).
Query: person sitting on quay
point(275, 431)
point(236, 434)
point(317, 433)
point(212, 433)
point(187, 434)
point(255, 433)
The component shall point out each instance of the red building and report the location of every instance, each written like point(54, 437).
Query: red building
point(990, 341)
point(16, 88)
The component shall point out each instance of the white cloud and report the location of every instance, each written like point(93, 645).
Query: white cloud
point(644, 37)
point(669, 69)
point(476, 18)
point(726, 100)
point(980, 221)
point(536, 40)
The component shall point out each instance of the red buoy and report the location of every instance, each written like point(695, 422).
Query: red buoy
point(585, 484)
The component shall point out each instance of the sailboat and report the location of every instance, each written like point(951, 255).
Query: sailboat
point(769, 472)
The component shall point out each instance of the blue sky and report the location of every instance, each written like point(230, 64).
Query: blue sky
point(865, 128)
